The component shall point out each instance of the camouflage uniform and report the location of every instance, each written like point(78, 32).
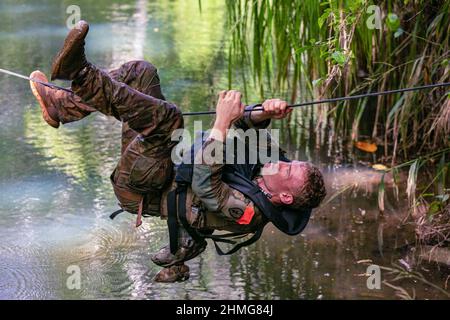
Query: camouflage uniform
point(145, 173)
point(211, 204)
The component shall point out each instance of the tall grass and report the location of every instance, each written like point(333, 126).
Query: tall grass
point(311, 49)
point(306, 49)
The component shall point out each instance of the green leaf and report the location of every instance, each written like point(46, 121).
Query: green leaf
point(435, 207)
point(317, 82)
point(302, 49)
point(425, 195)
point(339, 57)
point(393, 22)
point(323, 17)
point(356, 5)
point(324, 53)
point(395, 108)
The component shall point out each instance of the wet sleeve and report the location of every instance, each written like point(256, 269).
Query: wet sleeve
point(245, 122)
point(207, 184)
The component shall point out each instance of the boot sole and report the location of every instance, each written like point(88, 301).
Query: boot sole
point(56, 66)
point(166, 265)
point(180, 277)
point(45, 115)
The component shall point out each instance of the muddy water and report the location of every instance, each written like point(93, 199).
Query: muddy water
point(55, 195)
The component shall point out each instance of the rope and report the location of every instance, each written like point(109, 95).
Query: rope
point(47, 84)
point(258, 107)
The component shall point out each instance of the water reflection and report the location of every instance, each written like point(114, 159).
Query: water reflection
point(55, 194)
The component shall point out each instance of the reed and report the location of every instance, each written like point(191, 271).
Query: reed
point(309, 49)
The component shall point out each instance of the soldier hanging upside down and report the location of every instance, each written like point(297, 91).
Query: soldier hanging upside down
point(144, 178)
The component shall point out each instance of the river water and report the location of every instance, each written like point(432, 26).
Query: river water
point(55, 195)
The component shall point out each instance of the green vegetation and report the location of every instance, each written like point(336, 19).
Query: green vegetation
point(310, 49)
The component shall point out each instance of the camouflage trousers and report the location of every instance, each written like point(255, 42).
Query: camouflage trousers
point(131, 94)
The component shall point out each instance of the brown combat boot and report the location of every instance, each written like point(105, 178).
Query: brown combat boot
point(165, 258)
point(43, 96)
point(173, 274)
point(71, 58)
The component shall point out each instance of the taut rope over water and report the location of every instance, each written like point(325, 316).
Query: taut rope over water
point(47, 84)
point(258, 107)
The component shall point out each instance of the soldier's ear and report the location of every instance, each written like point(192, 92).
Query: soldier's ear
point(286, 198)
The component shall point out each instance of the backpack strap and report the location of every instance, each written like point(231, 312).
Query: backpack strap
point(238, 246)
point(172, 220)
point(182, 195)
point(176, 212)
point(139, 214)
point(176, 207)
point(116, 213)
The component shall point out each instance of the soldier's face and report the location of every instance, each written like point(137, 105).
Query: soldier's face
point(283, 179)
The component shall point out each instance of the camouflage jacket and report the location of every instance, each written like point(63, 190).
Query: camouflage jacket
point(213, 205)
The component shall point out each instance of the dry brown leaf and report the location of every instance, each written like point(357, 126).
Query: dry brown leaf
point(366, 146)
point(380, 167)
point(364, 261)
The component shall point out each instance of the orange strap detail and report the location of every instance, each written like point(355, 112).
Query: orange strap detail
point(247, 216)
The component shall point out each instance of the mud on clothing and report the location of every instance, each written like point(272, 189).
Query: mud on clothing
point(132, 94)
